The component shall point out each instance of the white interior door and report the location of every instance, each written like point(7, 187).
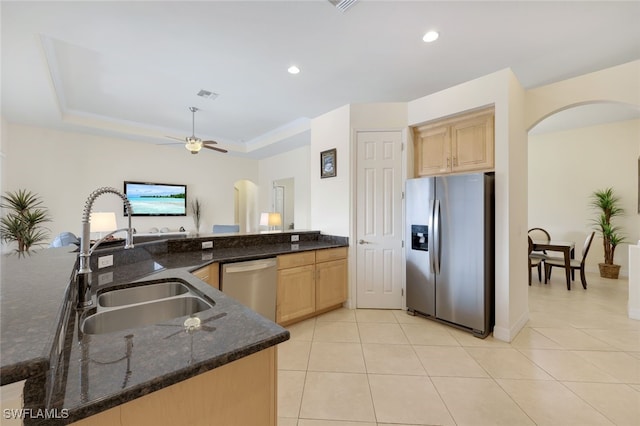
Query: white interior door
point(379, 220)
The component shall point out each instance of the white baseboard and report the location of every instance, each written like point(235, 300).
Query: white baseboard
point(508, 334)
point(634, 313)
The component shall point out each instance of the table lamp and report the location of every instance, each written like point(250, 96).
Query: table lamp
point(271, 220)
point(103, 222)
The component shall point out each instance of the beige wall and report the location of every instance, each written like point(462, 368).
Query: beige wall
point(616, 84)
point(64, 168)
point(565, 167)
point(292, 164)
point(330, 197)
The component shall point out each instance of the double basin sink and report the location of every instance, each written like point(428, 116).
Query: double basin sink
point(146, 304)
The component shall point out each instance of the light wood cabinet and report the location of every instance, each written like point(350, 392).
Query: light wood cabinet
point(296, 291)
point(455, 145)
point(296, 294)
point(243, 392)
point(331, 283)
point(209, 274)
point(310, 283)
point(432, 150)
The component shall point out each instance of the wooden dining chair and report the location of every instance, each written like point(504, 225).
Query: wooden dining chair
point(551, 261)
point(539, 234)
point(534, 261)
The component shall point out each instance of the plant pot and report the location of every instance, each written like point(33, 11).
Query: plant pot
point(609, 271)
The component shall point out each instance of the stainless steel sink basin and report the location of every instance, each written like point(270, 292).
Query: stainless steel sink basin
point(143, 293)
point(143, 314)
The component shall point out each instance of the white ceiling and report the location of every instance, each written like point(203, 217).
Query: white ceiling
point(132, 69)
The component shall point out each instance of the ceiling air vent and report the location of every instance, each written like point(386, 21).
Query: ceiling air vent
point(343, 5)
point(207, 94)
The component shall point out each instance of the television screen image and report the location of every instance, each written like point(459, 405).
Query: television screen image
point(156, 199)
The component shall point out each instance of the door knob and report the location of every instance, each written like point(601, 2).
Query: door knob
point(363, 242)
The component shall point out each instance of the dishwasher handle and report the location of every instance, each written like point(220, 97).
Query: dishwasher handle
point(249, 266)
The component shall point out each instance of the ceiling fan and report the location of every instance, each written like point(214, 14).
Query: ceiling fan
point(194, 144)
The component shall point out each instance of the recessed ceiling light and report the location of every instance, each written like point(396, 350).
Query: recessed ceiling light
point(430, 36)
point(293, 69)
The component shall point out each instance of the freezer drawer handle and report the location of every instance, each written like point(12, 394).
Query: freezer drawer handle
point(363, 242)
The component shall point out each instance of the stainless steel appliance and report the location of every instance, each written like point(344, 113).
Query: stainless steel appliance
point(450, 257)
point(252, 283)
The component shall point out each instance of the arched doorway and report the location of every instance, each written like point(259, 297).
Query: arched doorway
point(246, 205)
point(573, 152)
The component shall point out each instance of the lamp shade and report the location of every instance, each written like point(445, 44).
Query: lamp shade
point(103, 222)
point(270, 219)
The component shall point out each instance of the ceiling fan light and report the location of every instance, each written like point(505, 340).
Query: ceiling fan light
point(193, 144)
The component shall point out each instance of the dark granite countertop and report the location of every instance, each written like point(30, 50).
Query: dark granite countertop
point(40, 338)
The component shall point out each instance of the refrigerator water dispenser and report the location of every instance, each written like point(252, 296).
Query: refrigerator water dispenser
point(419, 237)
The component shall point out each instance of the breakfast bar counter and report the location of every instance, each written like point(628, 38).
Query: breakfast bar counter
point(77, 374)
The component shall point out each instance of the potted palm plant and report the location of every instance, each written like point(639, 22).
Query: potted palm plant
point(607, 204)
point(23, 221)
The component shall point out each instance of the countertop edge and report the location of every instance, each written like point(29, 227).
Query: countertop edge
point(161, 382)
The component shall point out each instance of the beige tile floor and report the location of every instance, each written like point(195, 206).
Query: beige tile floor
point(577, 362)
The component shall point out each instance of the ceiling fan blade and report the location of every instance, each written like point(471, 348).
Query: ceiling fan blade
point(209, 142)
point(215, 148)
point(178, 139)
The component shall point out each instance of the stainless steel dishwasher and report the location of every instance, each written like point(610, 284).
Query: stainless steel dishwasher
point(252, 283)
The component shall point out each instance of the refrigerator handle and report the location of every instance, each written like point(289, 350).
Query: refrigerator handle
point(436, 236)
point(430, 237)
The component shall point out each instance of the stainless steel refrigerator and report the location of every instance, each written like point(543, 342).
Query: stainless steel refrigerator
point(450, 257)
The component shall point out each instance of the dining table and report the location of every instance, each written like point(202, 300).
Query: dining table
point(567, 248)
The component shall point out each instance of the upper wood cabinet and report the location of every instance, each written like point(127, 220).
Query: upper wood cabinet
point(455, 145)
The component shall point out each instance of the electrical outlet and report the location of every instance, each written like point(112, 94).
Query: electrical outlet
point(105, 278)
point(295, 238)
point(207, 245)
point(105, 261)
point(295, 247)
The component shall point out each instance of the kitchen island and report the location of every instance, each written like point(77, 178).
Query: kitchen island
point(141, 370)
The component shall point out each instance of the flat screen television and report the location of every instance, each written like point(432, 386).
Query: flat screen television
point(156, 199)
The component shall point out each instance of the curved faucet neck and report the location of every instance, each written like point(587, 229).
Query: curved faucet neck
point(85, 239)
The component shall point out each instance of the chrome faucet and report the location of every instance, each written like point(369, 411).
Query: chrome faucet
point(82, 274)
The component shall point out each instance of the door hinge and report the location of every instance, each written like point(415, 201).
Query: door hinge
point(402, 243)
point(403, 195)
point(402, 292)
point(402, 146)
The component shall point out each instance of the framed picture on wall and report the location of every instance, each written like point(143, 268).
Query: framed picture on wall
point(328, 163)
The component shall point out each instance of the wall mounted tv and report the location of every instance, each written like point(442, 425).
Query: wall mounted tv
point(156, 199)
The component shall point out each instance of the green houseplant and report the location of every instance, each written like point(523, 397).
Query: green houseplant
point(23, 221)
point(607, 204)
